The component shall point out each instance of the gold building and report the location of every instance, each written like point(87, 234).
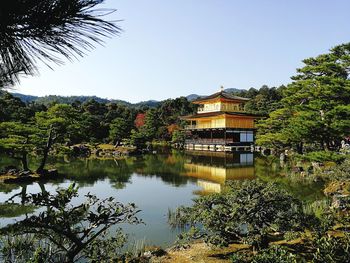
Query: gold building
point(220, 124)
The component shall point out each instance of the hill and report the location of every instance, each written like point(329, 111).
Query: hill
point(70, 99)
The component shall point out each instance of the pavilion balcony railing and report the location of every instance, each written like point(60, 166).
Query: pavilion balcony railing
point(211, 141)
point(192, 127)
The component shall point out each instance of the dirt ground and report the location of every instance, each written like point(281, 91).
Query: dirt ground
point(199, 252)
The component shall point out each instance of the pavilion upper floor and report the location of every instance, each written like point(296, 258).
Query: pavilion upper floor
point(220, 101)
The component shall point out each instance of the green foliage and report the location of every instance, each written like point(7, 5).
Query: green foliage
point(178, 137)
point(138, 139)
point(18, 249)
point(316, 103)
point(16, 136)
point(341, 171)
point(47, 31)
point(94, 121)
point(13, 109)
point(18, 139)
point(150, 128)
point(274, 254)
point(331, 249)
point(14, 210)
point(264, 100)
point(323, 156)
point(248, 212)
point(118, 130)
point(70, 232)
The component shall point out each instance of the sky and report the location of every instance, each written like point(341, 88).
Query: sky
point(175, 48)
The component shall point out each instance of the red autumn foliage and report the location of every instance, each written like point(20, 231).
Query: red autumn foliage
point(140, 120)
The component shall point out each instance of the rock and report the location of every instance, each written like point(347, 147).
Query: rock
point(147, 254)
point(24, 173)
point(12, 171)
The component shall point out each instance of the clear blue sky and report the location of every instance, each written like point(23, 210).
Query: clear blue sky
point(174, 48)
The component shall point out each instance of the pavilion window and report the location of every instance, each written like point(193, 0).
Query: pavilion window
point(250, 137)
point(246, 136)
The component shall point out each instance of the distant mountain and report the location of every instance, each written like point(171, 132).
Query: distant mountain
point(25, 98)
point(192, 97)
point(70, 99)
point(233, 90)
point(148, 103)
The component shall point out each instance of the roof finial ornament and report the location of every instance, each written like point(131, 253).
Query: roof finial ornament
point(222, 88)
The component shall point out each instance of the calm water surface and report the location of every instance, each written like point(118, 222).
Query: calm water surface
point(158, 182)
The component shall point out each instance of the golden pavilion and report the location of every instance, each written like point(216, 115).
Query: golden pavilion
point(220, 124)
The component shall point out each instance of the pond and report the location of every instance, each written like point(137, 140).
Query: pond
point(158, 182)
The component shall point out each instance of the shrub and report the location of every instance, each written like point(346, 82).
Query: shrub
point(332, 249)
point(274, 254)
point(248, 212)
point(323, 156)
point(63, 232)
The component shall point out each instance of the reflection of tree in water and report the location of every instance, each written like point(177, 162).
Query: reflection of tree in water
point(11, 209)
point(166, 167)
point(14, 210)
point(8, 188)
point(86, 172)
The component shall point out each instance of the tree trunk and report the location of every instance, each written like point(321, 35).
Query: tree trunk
point(300, 147)
point(24, 162)
point(23, 194)
point(46, 151)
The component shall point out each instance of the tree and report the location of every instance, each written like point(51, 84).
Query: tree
point(140, 120)
point(248, 212)
point(64, 232)
point(56, 125)
point(46, 30)
point(178, 137)
point(317, 103)
point(60, 122)
point(118, 130)
point(18, 140)
point(138, 139)
point(13, 109)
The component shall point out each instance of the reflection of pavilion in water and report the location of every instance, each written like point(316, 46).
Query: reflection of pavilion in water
point(213, 169)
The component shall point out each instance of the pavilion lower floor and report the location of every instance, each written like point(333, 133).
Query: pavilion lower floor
point(224, 139)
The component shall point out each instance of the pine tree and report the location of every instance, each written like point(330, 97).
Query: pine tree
point(47, 31)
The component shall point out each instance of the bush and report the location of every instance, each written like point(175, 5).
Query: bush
point(332, 249)
point(323, 156)
point(274, 254)
point(62, 231)
point(248, 212)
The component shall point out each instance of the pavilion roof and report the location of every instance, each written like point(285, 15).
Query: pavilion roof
point(222, 95)
point(217, 113)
